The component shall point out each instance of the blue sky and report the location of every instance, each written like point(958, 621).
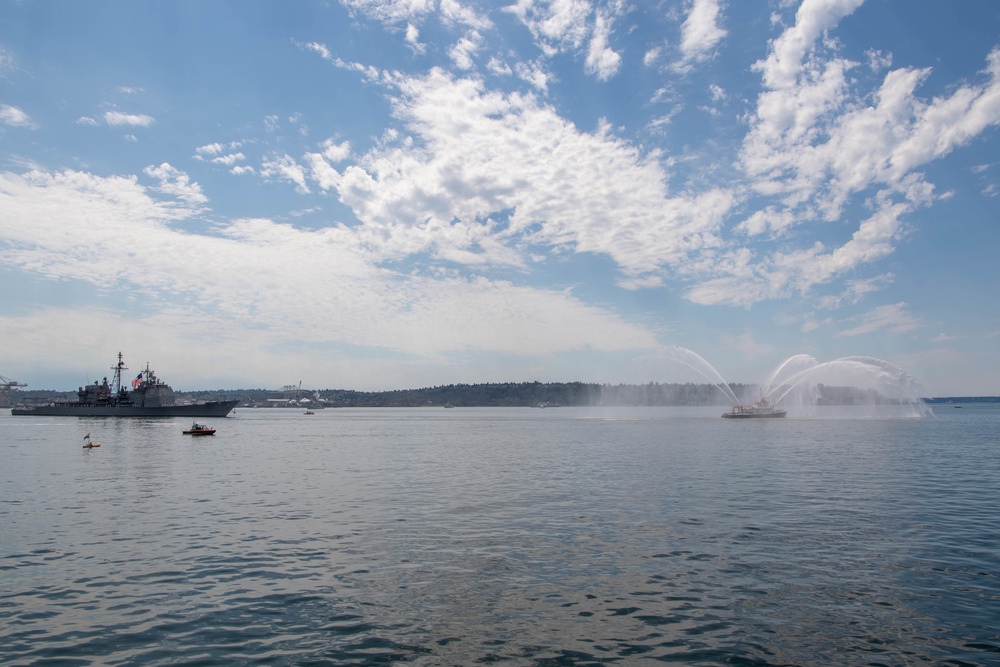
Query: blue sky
point(376, 195)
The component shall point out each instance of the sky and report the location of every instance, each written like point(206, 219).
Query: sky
point(389, 194)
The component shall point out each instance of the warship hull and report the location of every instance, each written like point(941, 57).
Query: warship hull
point(212, 409)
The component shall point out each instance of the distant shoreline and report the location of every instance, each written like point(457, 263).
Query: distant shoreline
point(515, 394)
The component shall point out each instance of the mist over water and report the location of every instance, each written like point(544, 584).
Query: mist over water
point(566, 536)
point(879, 386)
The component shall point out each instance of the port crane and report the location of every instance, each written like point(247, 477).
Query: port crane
point(6, 385)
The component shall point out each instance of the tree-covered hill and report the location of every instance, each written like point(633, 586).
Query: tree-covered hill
point(507, 394)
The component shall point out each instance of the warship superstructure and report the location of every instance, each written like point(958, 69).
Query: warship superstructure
point(148, 396)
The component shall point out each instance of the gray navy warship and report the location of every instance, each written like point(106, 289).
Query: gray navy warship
point(147, 397)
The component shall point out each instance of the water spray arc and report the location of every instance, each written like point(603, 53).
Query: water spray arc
point(872, 376)
point(697, 363)
point(804, 360)
point(887, 378)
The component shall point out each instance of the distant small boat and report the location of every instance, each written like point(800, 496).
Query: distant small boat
point(87, 444)
point(199, 429)
point(758, 410)
point(308, 412)
point(448, 405)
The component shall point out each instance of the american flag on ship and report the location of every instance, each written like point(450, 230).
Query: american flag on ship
point(137, 380)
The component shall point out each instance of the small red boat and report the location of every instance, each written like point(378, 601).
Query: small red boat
point(199, 429)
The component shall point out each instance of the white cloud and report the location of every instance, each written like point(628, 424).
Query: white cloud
point(295, 120)
point(767, 219)
point(700, 33)
point(475, 158)
point(229, 159)
point(533, 74)
point(601, 60)
point(878, 61)
point(15, 117)
point(785, 273)
point(574, 26)
point(51, 215)
point(316, 47)
point(465, 49)
point(498, 67)
point(258, 285)
point(455, 13)
point(412, 38)
point(219, 153)
point(6, 61)
point(117, 118)
point(818, 142)
point(320, 171)
point(175, 182)
point(285, 168)
point(555, 25)
point(855, 291)
point(392, 11)
point(948, 122)
point(783, 65)
point(336, 152)
point(209, 149)
point(894, 318)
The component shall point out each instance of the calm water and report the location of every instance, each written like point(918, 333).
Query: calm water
point(516, 536)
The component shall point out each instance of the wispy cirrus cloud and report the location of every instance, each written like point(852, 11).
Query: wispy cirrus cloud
point(219, 153)
point(16, 117)
point(407, 17)
point(392, 11)
point(6, 61)
point(893, 318)
point(117, 118)
point(285, 168)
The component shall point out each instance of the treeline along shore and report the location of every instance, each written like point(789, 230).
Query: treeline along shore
point(514, 394)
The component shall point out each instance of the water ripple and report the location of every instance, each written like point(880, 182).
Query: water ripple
point(375, 537)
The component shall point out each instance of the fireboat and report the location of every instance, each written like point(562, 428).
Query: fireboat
point(760, 409)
